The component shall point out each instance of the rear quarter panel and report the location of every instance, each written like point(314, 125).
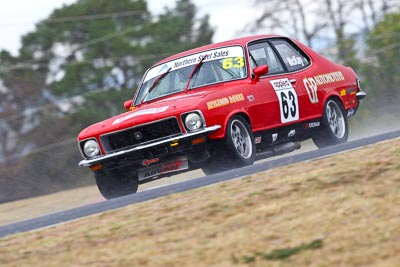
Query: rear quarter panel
point(331, 80)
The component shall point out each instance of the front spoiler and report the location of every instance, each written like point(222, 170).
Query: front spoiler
point(90, 162)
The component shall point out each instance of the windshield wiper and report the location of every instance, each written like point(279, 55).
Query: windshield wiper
point(195, 69)
point(153, 85)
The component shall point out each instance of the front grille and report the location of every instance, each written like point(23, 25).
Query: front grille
point(140, 134)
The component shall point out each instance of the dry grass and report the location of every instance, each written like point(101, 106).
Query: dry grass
point(346, 204)
point(30, 208)
point(25, 209)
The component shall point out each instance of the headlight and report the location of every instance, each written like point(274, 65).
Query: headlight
point(193, 122)
point(91, 149)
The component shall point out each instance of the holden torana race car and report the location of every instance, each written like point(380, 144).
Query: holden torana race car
point(221, 106)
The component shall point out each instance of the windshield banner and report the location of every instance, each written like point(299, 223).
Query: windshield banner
point(226, 52)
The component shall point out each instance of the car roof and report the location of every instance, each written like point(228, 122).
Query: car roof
point(239, 41)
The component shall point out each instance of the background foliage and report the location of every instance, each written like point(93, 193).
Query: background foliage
point(77, 67)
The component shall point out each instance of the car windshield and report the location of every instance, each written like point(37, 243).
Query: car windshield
point(218, 65)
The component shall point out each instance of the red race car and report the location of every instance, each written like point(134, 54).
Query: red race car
point(222, 106)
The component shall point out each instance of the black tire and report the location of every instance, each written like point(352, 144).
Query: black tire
point(334, 127)
point(238, 150)
point(113, 184)
point(240, 141)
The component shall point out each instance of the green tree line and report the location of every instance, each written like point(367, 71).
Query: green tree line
point(77, 67)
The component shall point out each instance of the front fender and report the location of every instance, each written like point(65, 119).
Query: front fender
point(221, 133)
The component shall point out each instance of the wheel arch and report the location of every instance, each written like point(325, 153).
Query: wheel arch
point(335, 97)
point(240, 113)
point(221, 133)
point(326, 135)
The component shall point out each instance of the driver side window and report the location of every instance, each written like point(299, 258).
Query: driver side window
point(263, 54)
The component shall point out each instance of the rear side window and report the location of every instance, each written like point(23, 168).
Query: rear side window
point(263, 54)
point(293, 58)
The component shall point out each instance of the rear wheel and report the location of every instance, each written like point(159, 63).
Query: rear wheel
point(334, 128)
point(113, 184)
point(238, 150)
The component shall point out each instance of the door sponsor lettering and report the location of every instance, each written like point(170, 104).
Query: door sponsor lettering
point(217, 103)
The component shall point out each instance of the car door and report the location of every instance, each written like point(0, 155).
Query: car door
point(267, 103)
point(296, 64)
point(285, 99)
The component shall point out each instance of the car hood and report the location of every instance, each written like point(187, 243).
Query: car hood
point(147, 112)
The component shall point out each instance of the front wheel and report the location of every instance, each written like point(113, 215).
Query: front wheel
point(238, 150)
point(240, 141)
point(334, 128)
point(113, 184)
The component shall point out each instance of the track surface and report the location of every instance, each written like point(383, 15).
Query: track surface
point(76, 213)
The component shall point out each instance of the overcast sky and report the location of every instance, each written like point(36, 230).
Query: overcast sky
point(18, 17)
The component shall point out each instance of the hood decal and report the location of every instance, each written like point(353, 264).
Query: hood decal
point(140, 112)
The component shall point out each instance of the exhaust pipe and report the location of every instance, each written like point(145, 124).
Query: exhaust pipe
point(286, 148)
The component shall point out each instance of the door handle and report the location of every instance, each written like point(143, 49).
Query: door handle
point(292, 81)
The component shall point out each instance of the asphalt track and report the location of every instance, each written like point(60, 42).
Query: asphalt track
point(76, 213)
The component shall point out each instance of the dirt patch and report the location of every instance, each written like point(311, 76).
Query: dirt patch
point(338, 211)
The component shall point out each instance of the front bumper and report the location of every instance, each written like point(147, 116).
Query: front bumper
point(361, 95)
point(121, 153)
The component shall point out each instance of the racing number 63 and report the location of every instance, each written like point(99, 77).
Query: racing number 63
point(237, 62)
point(288, 104)
point(288, 101)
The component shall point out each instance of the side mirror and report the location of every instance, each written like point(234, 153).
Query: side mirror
point(128, 104)
point(259, 71)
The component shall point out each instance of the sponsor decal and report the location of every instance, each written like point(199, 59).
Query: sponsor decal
point(257, 139)
point(218, 103)
point(351, 91)
point(311, 88)
point(348, 91)
point(194, 59)
point(234, 53)
point(311, 83)
point(162, 168)
point(281, 84)
point(147, 162)
point(295, 61)
point(313, 124)
point(328, 78)
point(225, 101)
point(140, 112)
point(236, 98)
point(185, 62)
point(251, 98)
point(288, 102)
